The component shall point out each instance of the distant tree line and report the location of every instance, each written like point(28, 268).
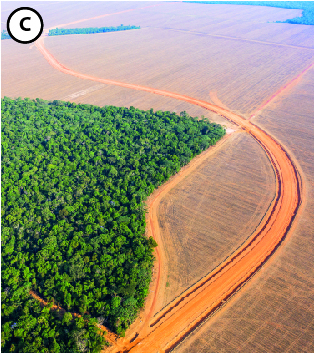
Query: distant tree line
point(307, 17)
point(5, 35)
point(63, 31)
point(75, 178)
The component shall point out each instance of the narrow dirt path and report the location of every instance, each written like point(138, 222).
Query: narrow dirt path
point(230, 37)
point(110, 336)
point(185, 313)
point(282, 90)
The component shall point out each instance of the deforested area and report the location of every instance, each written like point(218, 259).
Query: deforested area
point(33, 77)
point(243, 65)
point(74, 182)
point(212, 211)
point(38, 79)
point(275, 312)
point(249, 57)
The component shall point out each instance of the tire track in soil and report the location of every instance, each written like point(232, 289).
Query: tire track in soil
point(206, 34)
point(282, 90)
point(185, 314)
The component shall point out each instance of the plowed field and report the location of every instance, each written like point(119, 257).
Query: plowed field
point(275, 313)
point(243, 72)
point(200, 224)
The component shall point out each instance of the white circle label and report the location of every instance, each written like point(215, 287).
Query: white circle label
point(25, 25)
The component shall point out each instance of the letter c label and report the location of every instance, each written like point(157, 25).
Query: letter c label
point(22, 23)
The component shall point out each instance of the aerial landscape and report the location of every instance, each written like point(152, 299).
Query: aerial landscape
point(158, 177)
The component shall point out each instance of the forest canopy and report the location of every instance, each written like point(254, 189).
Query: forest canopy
point(75, 178)
point(88, 30)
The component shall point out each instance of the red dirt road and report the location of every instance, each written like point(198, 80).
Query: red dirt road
point(185, 313)
point(110, 337)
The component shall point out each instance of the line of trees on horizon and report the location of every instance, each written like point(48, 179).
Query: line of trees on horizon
point(89, 30)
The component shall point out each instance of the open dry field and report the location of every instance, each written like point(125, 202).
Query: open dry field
point(200, 224)
point(33, 77)
point(232, 21)
point(275, 311)
point(64, 12)
point(243, 72)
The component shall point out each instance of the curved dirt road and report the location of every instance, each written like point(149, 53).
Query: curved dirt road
point(185, 313)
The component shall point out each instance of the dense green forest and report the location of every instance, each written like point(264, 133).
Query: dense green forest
point(62, 31)
point(307, 17)
point(5, 35)
point(28, 327)
point(74, 181)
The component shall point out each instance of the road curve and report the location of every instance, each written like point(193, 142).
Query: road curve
point(185, 313)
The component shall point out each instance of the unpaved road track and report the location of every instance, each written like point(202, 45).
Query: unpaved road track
point(110, 337)
point(185, 313)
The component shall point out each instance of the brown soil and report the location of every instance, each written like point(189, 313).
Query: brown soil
point(186, 313)
point(275, 312)
point(239, 39)
point(211, 212)
point(215, 100)
point(283, 90)
point(242, 73)
point(36, 78)
point(153, 229)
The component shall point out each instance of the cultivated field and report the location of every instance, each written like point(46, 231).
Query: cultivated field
point(232, 21)
point(275, 311)
point(201, 224)
point(242, 72)
point(33, 77)
point(63, 12)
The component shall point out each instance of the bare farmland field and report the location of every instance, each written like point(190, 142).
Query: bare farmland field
point(238, 22)
point(233, 21)
point(212, 211)
point(33, 77)
point(63, 12)
point(275, 312)
point(243, 74)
